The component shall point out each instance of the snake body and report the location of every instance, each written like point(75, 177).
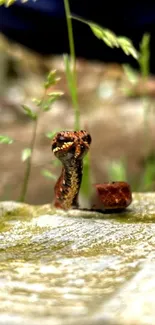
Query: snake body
point(70, 147)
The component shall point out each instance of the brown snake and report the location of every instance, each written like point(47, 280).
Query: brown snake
point(70, 147)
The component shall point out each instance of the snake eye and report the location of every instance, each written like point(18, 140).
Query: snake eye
point(87, 138)
point(64, 139)
point(61, 139)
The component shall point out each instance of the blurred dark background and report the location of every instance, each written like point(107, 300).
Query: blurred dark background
point(41, 26)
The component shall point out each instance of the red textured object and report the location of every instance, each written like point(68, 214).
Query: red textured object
point(114, 195)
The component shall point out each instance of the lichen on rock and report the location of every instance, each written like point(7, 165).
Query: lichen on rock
point(77, 266)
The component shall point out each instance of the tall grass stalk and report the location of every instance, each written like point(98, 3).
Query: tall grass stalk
point(71, 67)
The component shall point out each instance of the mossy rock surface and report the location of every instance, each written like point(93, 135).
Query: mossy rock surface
point(77, 267)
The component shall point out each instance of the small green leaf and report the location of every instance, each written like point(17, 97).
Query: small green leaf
point(47, 104)
point(37, 101)
point(55, 94)
point(5, 139)
point(26, 153)
point(56, 163)
point(52, 79)
point(52, 97)
point(51, 135)
point(110, 38)
point(117, 171)
point(127, 46)
point(9, 2)
point(131, 74)
point(48, 174)
point(106, 35)
point(29, 112)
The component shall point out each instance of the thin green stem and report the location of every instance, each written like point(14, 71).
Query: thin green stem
point(72, 85)
point(70, 34)
point(144, 63)
point(29, 163)
point(73, 91)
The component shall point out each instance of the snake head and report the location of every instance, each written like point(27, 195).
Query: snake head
point(67, 145)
